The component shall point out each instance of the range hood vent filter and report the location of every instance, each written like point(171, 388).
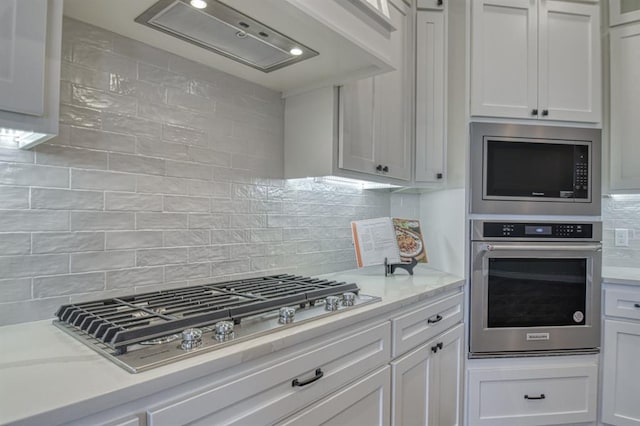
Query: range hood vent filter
point(226, 31)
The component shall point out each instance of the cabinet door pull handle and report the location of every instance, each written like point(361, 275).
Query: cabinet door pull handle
point(535, 397)
point(437, 347)
point(385, 169)
point(318, 376)
point(379, 167)
point(440, 2)
point(439, 175)
point(545, 112)
point(435, 319)
point(636, 305)
point(534, 111)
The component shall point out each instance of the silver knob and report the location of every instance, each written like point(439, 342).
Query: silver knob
point(287, 314)
point(223, 330)
point(348, 299)
point(331, 303)
point(191, 338)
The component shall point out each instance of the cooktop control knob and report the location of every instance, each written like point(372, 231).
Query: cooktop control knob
point(286, 315)
point(223, 330)
point(348, 299)
point(191, 338)
point(331, 303)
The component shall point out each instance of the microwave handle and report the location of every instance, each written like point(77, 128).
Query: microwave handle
point(556, 247)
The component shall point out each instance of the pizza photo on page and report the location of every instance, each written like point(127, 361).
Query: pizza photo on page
point(410, 241)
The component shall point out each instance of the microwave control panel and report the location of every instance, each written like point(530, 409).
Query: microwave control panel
point(581, 177)
point(538, 230)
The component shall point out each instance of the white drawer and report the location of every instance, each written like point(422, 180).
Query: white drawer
point(622, 303)
point(267, 394)
point(533, 396)
point(422, 324)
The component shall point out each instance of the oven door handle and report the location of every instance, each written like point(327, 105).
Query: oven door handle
point(555, 247)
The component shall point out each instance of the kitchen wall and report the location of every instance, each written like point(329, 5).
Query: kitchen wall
point(622, 213)
point(165, 173)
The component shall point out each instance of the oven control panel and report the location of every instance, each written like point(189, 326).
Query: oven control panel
point(537, 230)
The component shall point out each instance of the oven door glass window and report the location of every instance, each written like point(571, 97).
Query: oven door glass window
point(526, 292)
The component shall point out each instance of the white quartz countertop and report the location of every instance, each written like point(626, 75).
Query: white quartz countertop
point(619, 275)
point(43, 371)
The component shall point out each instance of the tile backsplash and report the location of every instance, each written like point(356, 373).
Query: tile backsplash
point(622, 213)
point(165, 173)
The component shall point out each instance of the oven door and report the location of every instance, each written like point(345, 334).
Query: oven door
point(530, 297)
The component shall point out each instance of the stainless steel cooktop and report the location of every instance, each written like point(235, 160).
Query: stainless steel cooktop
point(144, 331)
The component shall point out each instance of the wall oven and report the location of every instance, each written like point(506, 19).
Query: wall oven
point(532, 169)
point(535, 288)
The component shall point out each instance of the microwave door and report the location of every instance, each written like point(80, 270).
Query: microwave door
point(529, 170)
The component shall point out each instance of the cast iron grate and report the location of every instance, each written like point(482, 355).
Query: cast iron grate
point(123, 321)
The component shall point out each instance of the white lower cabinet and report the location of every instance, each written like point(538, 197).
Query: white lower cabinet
point(365, 402)
point(284, 386)
point(620, 369)
point(426, 382)
point(533, 391)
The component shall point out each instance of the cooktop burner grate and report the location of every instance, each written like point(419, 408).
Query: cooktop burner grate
point(123, 321)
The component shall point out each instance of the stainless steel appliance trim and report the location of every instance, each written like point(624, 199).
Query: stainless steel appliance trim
point(536, 247)
point(532, 205)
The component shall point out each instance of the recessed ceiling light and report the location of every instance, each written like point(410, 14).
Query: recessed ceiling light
point(199, 4)
point(296, 51)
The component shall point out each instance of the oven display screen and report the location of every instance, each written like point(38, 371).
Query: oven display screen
point(537, 230)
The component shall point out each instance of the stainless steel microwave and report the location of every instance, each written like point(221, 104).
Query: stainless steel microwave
point(533, 169)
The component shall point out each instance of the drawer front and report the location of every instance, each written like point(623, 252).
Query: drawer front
point(365, 402)
point(533, 396)
point(622, 303)
point(416, 327)
point(264, 396)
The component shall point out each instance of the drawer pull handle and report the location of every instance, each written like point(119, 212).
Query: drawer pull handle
point(636, 305)
point(535, 397)
point(318, 376)
point(435, 319)
point(437, 346)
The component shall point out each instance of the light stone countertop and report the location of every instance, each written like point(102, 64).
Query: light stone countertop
point(43, 371)
point(619, 275)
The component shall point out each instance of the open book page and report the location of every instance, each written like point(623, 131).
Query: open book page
point(375, 240)
point(410, 240)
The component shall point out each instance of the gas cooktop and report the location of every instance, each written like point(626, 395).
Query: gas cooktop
point(144, 331)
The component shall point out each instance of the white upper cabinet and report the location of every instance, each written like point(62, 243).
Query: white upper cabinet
point(623, 11)
point(536, 59)
point(625, 104)
point(30, 42)
point(23, 32)
point(375, 113)
point(362, 129)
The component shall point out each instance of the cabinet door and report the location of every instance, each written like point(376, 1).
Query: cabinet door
point(356, 148)
point(23, 26)
point(504, 52)
point(625, 104)
point(393, 99)
point(365, 402)
point(375, 113)
point(430, 97)
point(427, 382)
point(623, 11)
point(621, 375)
point(569, 81)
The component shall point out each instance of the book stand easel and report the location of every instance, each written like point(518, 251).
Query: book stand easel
point(390, 268)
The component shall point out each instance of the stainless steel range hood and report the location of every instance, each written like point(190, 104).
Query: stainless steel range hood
point(226, 31)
